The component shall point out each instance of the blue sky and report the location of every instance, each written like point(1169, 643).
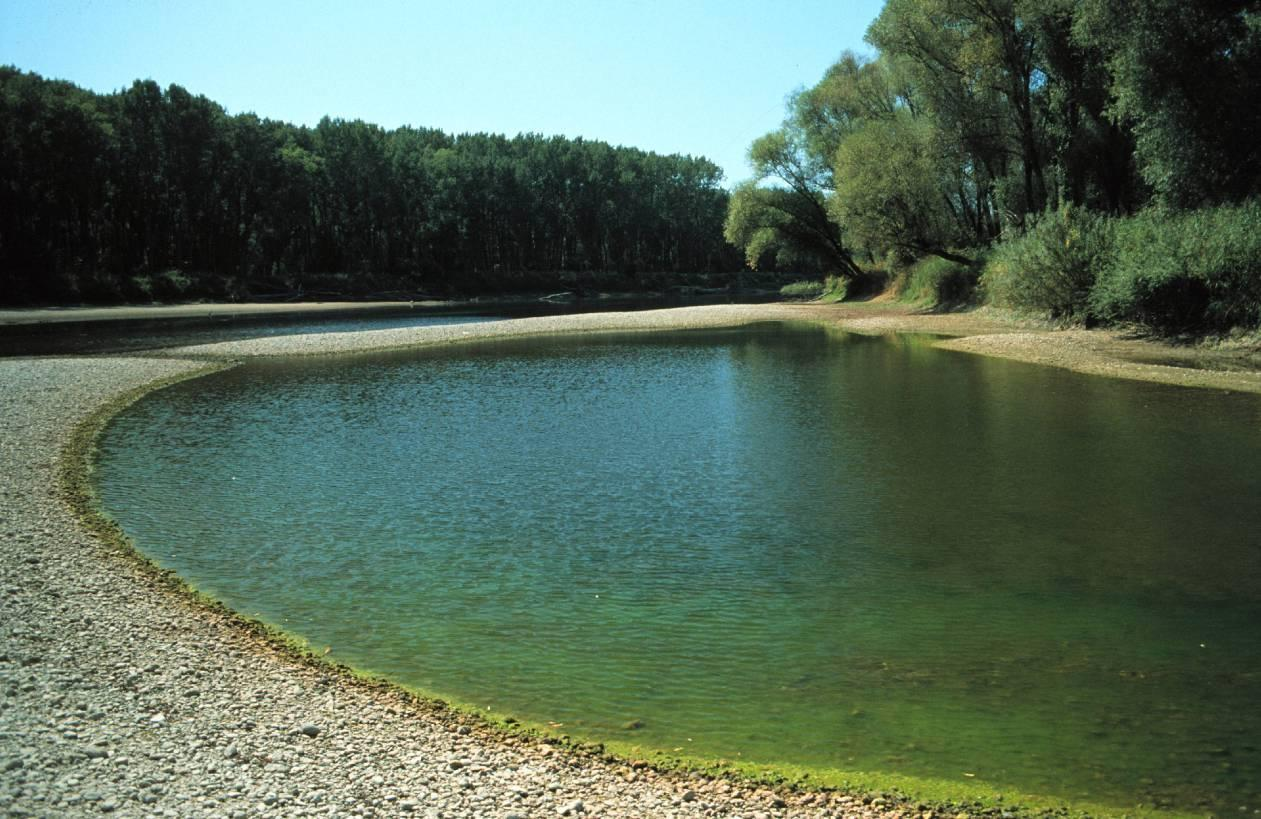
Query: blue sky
point(675, 77)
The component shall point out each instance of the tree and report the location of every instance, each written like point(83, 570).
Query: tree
point(972, 61)
point(1184, 78)
point(854, 90)
point(1091, 152)
point(892, 189)
point(789, 217)
point(149, 194)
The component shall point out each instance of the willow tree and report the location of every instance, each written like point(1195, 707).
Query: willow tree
point(1184, 79)
point(783, 210)
point(894, 182)
point(973, 65)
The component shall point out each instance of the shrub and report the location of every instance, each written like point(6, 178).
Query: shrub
point(1053, 265)
point(831, 289)
point(1199, 270)
point(802, 290)
point(172, 285)
point(835, 288)
point(167, 286)
point(938, 281)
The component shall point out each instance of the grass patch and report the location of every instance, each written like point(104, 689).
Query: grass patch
point(802, 290)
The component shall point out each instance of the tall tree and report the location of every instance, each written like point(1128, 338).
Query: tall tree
point(1091, 152)
point(789, 217)
point(894, 189)
point(972, 62)
point(149, 193)
point(1184, 77)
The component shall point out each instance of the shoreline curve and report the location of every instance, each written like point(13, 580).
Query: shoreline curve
point(165, 701)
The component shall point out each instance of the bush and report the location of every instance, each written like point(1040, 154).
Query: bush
point(938, 281)
point(1199, 270)
point(802, 290)
point(835, 288)
point(831, 289)
point(1052, 267)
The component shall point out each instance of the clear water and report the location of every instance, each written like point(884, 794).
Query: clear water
point(775, 544)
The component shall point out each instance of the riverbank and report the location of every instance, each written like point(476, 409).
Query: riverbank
point(1111, 353)
point(123, 693)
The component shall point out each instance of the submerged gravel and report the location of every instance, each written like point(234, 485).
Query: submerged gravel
point(118, 695)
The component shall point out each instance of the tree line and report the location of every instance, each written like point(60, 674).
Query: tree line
point(161, 194)
point(977, 121)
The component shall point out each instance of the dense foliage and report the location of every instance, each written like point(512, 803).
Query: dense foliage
point(152, 193)
point(1192, 270)
point(1039, 128)
point(1052, 266)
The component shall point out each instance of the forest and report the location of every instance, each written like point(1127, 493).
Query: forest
point(1093, 160)
point(150, 194)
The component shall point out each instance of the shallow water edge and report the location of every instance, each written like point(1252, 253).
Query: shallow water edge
point(76, 473)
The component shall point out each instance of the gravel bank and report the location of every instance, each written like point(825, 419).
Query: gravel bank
point(118, 695)
point(680, 318)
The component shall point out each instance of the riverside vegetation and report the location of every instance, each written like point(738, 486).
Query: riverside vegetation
point(1091, 160)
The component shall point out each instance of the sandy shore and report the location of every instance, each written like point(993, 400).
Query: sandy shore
point(1110, 353)
point(120, 694)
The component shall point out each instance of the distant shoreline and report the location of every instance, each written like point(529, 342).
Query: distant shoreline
point(138, 312)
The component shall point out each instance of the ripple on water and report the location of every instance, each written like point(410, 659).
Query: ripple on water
point(773, 544)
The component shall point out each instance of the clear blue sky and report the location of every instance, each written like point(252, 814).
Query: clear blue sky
point(674, 77)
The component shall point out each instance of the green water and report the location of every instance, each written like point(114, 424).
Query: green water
point(775, 544)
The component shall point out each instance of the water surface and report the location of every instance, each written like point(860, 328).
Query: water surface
point(775, 544)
